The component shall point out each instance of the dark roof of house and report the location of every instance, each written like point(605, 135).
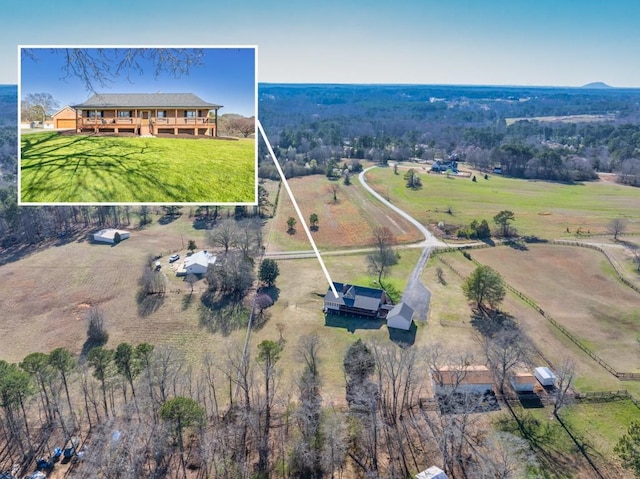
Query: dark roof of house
point(146, 100)
point(354, 296)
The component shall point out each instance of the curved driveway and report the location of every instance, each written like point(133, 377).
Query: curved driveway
point(415, 294)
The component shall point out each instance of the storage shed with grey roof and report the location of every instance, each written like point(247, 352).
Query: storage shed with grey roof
point(148, 114)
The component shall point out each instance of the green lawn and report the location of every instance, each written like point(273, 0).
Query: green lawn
point(601, 425)
point(545, 209)
point(87, 169)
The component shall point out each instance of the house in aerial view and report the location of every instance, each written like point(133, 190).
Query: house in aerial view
point(147, 114)
point(197, 263)
point(356, 300)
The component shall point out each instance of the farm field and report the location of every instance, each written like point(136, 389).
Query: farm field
point(576, 287)
point(544, 209)
point(349, 222)
point(40, 315)
point(78, 168)
point(552, 346)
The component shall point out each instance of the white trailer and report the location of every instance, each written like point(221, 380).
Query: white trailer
point(545, 376)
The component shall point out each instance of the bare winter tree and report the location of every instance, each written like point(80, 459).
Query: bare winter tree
point(565, 375)
point(383, 257)
point(224, 235)
point(306, 457)
point(504, 351)
point(98, 68)
point(616, 227)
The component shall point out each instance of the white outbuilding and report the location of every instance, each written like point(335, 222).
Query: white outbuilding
point(108, 235)
point(400, 317)
point(433, 472)
point(198, 263)
point(545, 376)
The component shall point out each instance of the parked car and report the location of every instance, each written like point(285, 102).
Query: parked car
point(174, 257)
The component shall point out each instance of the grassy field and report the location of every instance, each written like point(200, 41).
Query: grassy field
point(544, 209)
point(577, 287)
point(347, 222)
point(79, 168)
point(40, 315)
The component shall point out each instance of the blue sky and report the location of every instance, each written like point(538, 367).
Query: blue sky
point(495, 42)
point(226, 76)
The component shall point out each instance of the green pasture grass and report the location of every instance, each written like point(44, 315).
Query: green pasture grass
point(600, 424)
point(541, 208)
point(77, 168)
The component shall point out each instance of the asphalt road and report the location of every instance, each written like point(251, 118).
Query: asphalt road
point(416, 294)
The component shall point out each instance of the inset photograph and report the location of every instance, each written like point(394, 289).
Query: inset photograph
point(137, 125)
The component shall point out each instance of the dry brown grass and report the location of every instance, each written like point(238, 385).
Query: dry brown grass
point(44, 297)
point(349, 222)
point(576, 287)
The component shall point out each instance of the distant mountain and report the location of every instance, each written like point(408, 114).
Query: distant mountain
point(596, 84)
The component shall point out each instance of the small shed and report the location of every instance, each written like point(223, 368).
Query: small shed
point(433, 472)
point(400, 317)
point(108, 235)
point(545, 376)
point(65, 118)
point(523, 382)
point(198, 263)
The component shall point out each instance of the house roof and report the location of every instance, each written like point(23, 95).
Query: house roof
point(354, 296)
point(523, 378)
point(451, 376)
point(60, 111)
point(146, 100)
point(201, 258)
point(110, 233)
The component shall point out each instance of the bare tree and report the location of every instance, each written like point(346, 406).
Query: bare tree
point(41, 105)
point(504, 351)
point(616, 227)
point(503, 456)
point(97, 68)
point(96, 329)
point(191, 279)
point(565, 375)
point(384, 256)
point(224, 234)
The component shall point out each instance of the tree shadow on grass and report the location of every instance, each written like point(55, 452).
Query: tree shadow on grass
point(272, 291)
point(149, 303)
point(222, 314)
point(491, 322)
point(187, 301)
point(124, 169)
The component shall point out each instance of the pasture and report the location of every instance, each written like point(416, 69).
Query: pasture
point(544, 209)
point(45, 296)
point(58, 168)
point(345, 223)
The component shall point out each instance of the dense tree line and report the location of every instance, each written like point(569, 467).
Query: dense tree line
point(310, 126)
point(144, 411)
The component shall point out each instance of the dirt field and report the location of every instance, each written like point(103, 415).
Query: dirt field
point(349, 222)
